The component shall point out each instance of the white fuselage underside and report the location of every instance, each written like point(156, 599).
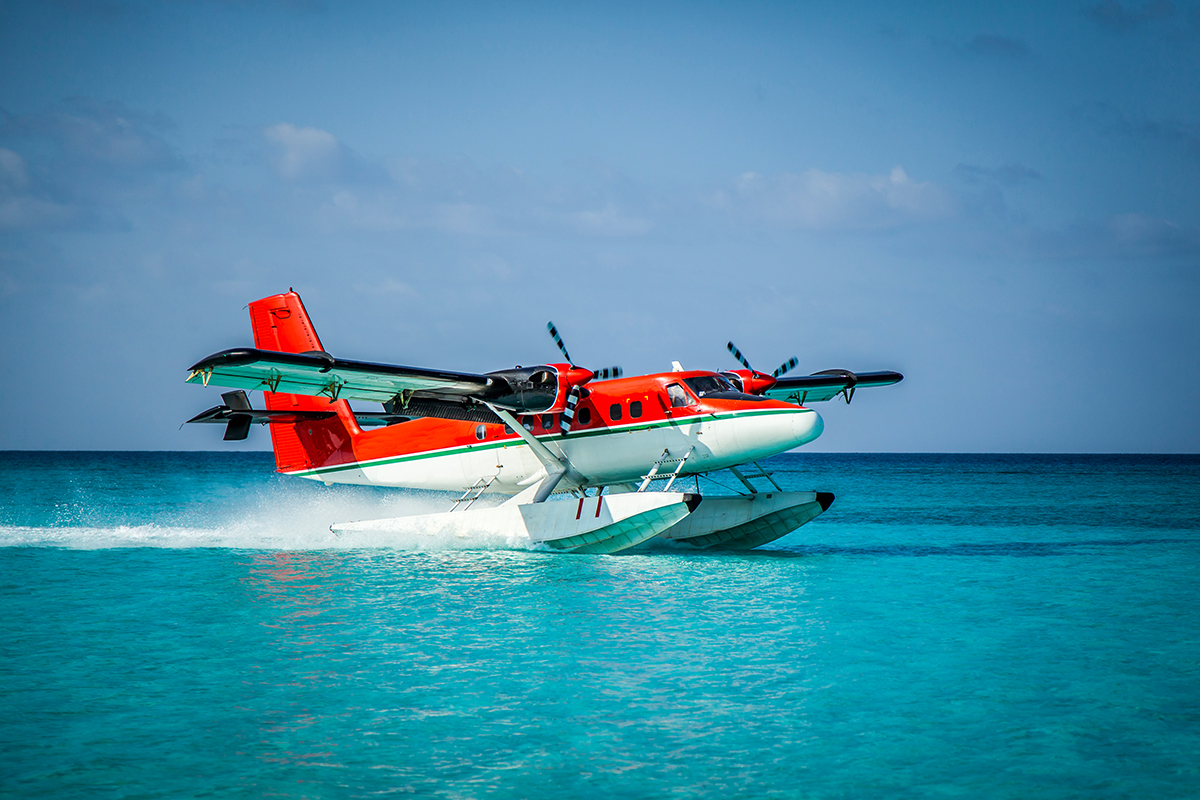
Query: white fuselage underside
point(615, 455)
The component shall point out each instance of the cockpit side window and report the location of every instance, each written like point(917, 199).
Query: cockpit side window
point(735, 381)
point(707, 384)
point(679, 398)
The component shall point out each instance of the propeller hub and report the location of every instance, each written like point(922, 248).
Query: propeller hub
point(760, 382)
point(577, 376)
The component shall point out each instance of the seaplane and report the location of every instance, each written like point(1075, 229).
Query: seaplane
point(586, 460)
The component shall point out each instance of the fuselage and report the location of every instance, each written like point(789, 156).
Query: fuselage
point(621, 427)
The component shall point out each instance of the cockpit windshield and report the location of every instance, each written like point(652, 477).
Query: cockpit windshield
point(708, 384)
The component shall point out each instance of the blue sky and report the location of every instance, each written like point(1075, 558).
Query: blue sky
point(1000, 201)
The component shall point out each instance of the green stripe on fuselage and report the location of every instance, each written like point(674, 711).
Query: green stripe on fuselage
point(548, 437)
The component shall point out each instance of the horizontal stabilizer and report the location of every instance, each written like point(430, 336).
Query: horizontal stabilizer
point(223, 414)
point(237, 416)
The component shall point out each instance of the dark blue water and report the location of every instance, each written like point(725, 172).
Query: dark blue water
point(954, 626)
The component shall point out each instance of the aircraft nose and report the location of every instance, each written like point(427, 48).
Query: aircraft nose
point(807, 426)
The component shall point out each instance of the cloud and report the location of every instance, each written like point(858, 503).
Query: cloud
point(609, 221)
point(463, 218)
point(373, 213)
point(1120, 237)
point(303, 153)
point(462, 199)
point(19, 208)
point(1172, 132)
point(388, 210)
point(98, 137)
point(990, 44)
point(1010, 174)
point(983, 45)
point(12, 170)
point(818, 200)
point(23, 213)
point(79, 162)
point(387, 286)
point(1114, 16)
point(1137, 235)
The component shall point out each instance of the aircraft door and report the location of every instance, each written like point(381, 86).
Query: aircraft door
point(677, 396)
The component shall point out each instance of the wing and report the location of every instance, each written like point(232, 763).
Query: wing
point(828, 384)
point(317, 373)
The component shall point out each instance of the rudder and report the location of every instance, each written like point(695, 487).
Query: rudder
point(281, 323)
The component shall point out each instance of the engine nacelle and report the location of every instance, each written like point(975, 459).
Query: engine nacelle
point(749, 381)
point(538, 390)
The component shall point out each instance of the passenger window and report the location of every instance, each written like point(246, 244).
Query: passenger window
point(585, 416)
point(481, 432)
point(547, 422)
point(635, 409)
point(679, 398)
point(614, 412)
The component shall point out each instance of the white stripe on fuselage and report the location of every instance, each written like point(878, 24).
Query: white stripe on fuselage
point(605, 456)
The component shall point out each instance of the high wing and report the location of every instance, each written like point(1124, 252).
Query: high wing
point(319, 374)
point(828, 384)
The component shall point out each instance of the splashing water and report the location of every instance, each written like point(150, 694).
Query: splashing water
point(181, 500)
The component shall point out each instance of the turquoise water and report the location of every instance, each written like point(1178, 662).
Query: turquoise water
point(954, 626)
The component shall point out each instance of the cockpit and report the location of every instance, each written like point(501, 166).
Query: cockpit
point(718, 387)
point(708, 384)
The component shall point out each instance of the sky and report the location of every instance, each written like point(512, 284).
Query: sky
point(997, 199)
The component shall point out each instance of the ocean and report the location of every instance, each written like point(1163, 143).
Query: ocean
point(1001, 626)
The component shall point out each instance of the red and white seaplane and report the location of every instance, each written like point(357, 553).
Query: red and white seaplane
point(530, 432)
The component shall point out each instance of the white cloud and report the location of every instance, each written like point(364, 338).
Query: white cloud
point(304, 153)
point(12, 170)
point(29, 212)
point(1138, 235)
point(609, 221)
point(387, 286)
point(466, 218)
point(346, 208)
point(107, 136)
point(388, 210)
point(819, 200)
point(19, 207)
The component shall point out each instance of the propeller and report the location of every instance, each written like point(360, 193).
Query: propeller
point(779, 372)
point(558, 341)
point(599, 374)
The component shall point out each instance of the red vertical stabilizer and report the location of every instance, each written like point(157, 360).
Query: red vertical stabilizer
point(281, 323)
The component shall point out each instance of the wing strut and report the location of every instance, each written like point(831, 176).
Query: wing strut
point(555, 467)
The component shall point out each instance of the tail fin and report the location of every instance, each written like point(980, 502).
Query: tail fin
point(281, 323)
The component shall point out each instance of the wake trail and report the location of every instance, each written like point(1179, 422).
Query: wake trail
point(270, 519)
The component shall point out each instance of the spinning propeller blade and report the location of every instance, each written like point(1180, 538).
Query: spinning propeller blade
point(568, 415)
point(785, 367)
point(738, 355)
point(598, 375)
point(558, 341)
point(780, 371)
